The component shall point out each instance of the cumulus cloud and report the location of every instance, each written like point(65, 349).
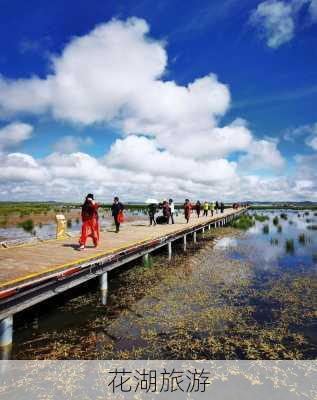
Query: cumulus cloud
point(116, 74)
point(12, 135)
point(309, 131)
point(276, 19)
point(72, 144)
point(262, 155)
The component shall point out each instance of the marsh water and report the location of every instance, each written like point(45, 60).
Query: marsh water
point(234, 295)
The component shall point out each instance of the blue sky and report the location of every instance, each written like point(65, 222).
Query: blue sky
point(272, 84)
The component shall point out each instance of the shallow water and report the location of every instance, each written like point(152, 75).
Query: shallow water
point(234, 295)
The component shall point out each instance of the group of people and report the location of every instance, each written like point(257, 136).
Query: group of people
point(90, 223)
point(168, 210)
point(90, 219)
point(205, 207)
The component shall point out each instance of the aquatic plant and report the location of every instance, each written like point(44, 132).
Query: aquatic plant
point(266, 229)
point(244, 222)
point(279, 229)
point(312, 227)
point(298, 215)
point(27, 225)
point(306, 213)
point(290, 222)
point(261, 218)
point(289, 246)
point(303, 239)
point(276, 220)
point(284, 216)
point(274, 242)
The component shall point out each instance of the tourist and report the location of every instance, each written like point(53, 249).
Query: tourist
point(206, 207)
point(212, 208)
point(90, 226)
point(166, 211)
point(117, 209)
point(152, 212)
point(222, 207)
point(198, 208)
point(171, 210)
point(217, 207)
point(187, 209)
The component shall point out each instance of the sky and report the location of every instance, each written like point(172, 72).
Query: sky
point(156, 99)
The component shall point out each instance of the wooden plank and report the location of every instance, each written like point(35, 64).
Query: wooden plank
point(30, 261)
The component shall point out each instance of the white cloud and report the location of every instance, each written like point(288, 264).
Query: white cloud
point(13, 134)
point(72, 144)
point(276, 19)
point(114, 75)
point(262, 155)
point(309, 131)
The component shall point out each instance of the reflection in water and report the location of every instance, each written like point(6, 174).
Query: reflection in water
point(244, 296)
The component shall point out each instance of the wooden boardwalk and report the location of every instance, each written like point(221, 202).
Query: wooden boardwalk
point(29, 262)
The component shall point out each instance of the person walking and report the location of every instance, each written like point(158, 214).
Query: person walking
point(206, 207)
point(217, 207)
point(117, 209)
point(166, 211)
point(212, 208)
point(198, 208)
point(152, 212)
point(90, 223)
point(222, 207)
point(171, 210)
point(187, 209)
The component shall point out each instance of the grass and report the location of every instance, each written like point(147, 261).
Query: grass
point(312, 227)
point(244, 222)
point(289, 246)
point(261, 218)
point(266, 229)
point(276, 221)
point(279, 228)
point(303, 239)
point(27, 225)
point(274, 242)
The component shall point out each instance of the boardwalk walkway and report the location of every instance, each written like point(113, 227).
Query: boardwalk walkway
point(28, 262)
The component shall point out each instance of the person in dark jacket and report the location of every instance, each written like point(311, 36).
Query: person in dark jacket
point(116, 208)
point(166, 210)
point(198, 208)
point(217, 207)
point(152, 212)
point(222, 207)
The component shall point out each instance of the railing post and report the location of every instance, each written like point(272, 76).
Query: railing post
point(169, 251)
point(195, 237)
point(104, 287)
point(184, 242)
point(6, 337)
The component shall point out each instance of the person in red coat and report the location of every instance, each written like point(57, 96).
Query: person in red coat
point(90, 226)
point(187, 209)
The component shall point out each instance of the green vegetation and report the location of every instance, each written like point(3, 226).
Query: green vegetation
point(27, 225)
point(289, 246)
point(274, 242)
point(303, 239)
point(244, 222)
point(266, 229)
point(312, 227)
point(276, 221)
point(261, 218)
point(279, 229)
point(284, 216)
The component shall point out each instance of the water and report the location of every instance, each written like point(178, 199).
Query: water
point(46, 231)
point(234, 295)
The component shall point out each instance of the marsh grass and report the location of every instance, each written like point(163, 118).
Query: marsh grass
point(289, 246)
point(27, 225)
point(261, 218)
point(275, 220)
point(279, 229)
point(274, 242)
point(312, 227)
point(244, 222)
point(266, 229)
point(284, 216)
